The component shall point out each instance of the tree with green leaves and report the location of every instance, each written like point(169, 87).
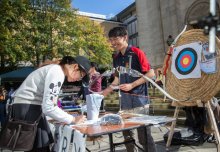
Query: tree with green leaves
point(11, 14)
point(45, 29)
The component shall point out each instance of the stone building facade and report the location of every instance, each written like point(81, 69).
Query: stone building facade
point(157, 20)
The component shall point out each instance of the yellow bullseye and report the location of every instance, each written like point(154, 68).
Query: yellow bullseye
point(185, 61)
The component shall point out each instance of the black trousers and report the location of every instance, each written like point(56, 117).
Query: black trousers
point(3, 116)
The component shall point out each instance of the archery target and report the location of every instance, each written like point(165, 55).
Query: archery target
point(192, 90)
point(186, 61)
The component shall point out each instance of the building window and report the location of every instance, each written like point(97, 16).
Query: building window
point(133, 28)
point(134, 41)
point(132, 32)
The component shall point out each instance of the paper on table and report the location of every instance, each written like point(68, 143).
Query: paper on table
point(88, 122)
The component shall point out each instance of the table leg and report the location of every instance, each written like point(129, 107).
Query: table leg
point(87, 149)
point(146, 141)
point(112, 149)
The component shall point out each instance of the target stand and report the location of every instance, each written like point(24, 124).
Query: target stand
point(185, 80)
point(212, 119)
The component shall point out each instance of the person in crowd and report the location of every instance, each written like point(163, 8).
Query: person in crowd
point(84, 90)
point(170, 40)
point(10, 94)
point(159, 79)
point(134, 92)
point(3, 99)
point(92, 83)
point(95, 82)
point(9, 100)
point(39, 92)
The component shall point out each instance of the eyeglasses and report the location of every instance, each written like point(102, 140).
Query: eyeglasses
point(82, 74)
point(113, 39)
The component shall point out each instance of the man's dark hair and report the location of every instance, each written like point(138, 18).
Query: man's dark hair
point(117, 31)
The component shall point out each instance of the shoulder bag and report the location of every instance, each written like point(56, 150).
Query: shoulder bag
point(18, 135)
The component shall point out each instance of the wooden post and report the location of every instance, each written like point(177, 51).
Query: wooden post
point(214, 125)
point(172, 127)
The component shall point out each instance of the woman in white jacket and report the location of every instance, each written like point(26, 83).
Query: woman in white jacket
point(39, 92)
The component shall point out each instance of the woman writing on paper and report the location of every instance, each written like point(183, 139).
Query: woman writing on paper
point(39, 92)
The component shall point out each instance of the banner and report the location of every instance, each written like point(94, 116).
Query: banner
point(65, 139)
point(79, 142)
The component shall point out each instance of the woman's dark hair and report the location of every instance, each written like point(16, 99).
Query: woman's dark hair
point(93, 64)
point(117, 31)
point(67, 60)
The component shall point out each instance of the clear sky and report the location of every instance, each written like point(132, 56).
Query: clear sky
point(104, 7)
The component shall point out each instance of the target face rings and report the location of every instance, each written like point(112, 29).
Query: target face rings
point(186, 61)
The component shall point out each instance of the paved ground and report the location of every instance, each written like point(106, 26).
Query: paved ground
point(102, 145)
